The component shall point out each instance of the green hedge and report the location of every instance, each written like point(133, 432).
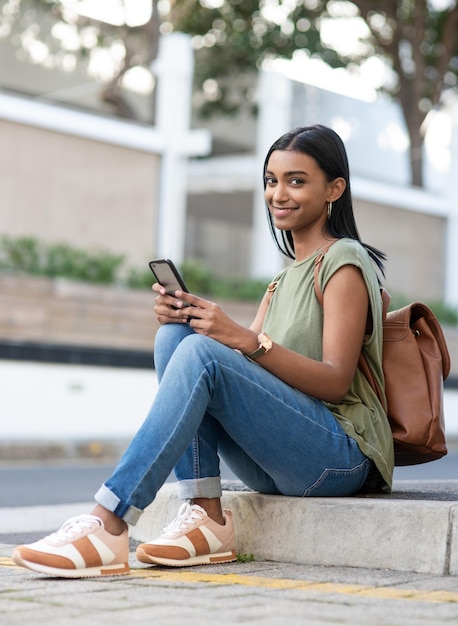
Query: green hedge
point(30, 256)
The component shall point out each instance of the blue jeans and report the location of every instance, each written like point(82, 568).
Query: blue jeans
point(211, 402)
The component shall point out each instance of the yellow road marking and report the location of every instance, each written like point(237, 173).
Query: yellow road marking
point(387, 593)
point(418, 595)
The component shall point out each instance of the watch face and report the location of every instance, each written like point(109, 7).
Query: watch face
point(265, 341)
point(265, 344)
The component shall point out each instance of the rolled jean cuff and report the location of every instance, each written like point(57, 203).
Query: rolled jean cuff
point(200, 488)
point(110, 501)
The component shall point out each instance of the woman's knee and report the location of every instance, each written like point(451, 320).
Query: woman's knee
point(167, 339)
point(194, 345)
point(202, 351)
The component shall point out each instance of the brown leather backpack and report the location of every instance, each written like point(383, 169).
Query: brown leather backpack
point(415, 364)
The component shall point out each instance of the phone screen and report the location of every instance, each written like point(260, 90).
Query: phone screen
point(167, 275)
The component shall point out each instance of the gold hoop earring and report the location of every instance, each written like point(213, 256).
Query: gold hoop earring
point(329, 209)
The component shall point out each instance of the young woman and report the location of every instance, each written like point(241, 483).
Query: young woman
point(283, 402)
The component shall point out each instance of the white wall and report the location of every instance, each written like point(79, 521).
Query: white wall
point(65, 402)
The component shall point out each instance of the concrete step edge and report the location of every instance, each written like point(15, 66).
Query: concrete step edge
point(403, 535)
point(412, 535)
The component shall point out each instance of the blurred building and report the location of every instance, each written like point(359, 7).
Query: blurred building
point(70, 171)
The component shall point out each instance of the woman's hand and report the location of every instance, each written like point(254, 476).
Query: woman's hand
point(169, 309)
point(205, 317)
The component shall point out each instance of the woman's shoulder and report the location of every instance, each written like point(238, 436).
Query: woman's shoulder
point(348, 250)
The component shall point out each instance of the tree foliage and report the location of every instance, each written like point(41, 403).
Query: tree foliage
point(420, 43)
point(231, 42)
point(54, 34)
point(416, 39)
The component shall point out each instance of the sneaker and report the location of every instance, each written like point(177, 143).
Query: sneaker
point(192, 538)
point(81, 548)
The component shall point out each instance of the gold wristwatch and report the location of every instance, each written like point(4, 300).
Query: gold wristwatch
point(265, 344)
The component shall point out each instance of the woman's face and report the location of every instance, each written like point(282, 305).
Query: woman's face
point(297, 191)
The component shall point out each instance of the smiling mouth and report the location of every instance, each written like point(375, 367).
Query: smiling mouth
point(281, 211)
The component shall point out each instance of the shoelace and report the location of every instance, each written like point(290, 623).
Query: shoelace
point(187, 516)
point(76, 527)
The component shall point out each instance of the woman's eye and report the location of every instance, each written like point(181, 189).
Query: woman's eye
point(296, 181)
point(270, 180)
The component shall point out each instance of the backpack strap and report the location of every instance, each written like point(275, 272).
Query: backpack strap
point(316, 271)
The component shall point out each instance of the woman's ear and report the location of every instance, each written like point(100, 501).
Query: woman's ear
point(337, 187)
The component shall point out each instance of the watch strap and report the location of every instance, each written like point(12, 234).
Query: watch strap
point(258, 352)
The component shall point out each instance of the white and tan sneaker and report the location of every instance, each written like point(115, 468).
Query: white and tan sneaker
point(192, 538)
point(81, 548)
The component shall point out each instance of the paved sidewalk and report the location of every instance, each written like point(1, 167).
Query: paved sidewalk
point(253, 592)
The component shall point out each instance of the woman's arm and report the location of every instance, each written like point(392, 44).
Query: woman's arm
point(345, 307)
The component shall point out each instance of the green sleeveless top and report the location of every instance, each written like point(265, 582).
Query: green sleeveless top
point(294, 319)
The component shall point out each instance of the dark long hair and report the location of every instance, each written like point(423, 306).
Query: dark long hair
point(326, 147)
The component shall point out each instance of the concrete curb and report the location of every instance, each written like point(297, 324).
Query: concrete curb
point(411, 534)
point(415, 529)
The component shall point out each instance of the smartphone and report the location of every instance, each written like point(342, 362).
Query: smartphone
point(167, 275)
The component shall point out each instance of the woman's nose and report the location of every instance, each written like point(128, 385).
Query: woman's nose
point(280, 193)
